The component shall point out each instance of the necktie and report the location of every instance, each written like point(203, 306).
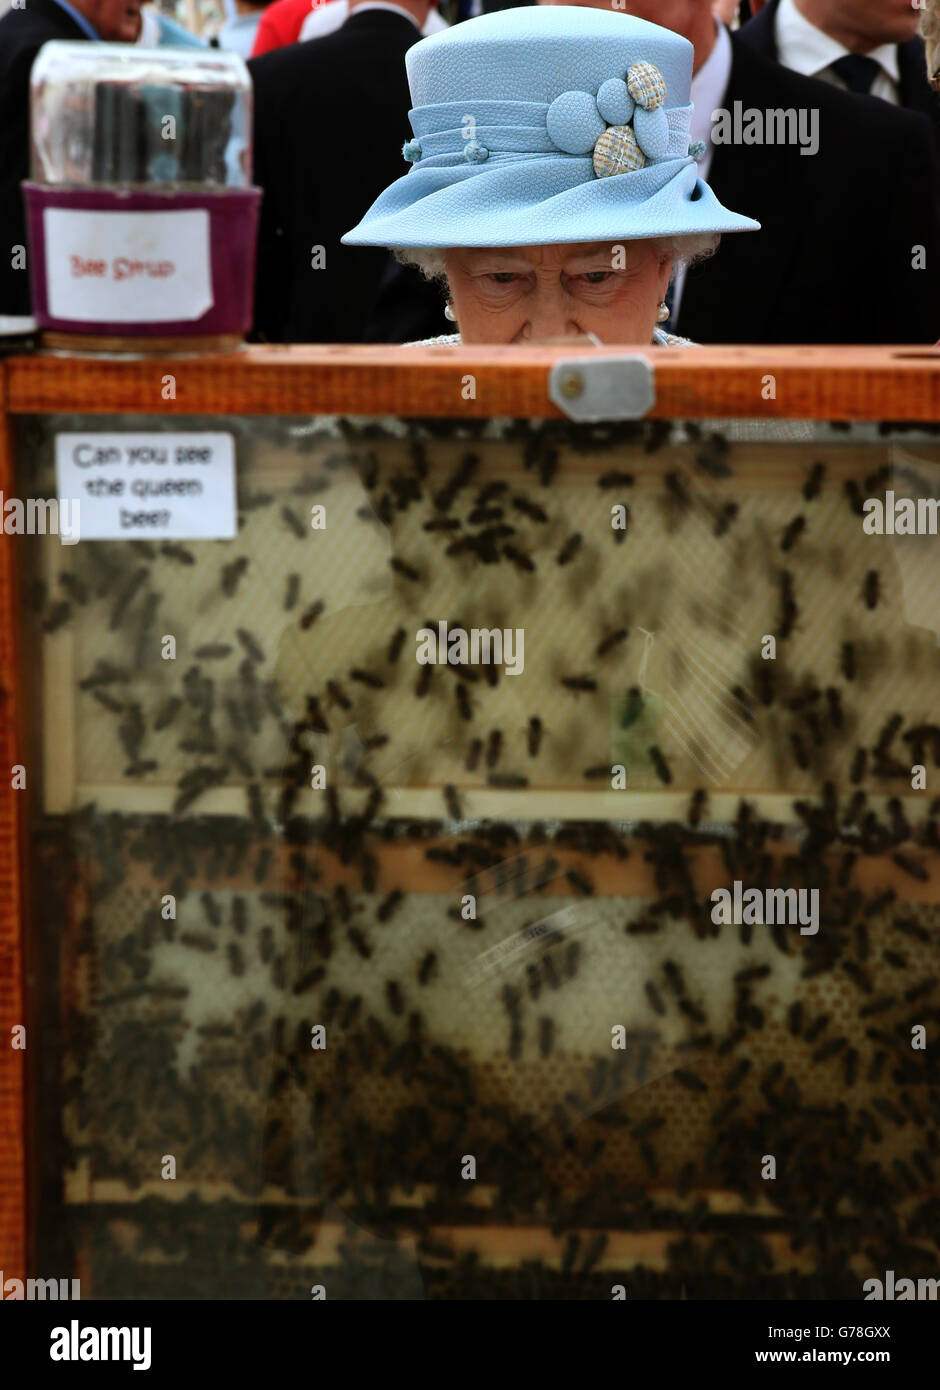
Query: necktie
point(858, 73)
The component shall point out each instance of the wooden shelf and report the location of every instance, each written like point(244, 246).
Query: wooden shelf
point(811, 383)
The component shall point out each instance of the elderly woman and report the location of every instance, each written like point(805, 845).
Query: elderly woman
point(553, 184)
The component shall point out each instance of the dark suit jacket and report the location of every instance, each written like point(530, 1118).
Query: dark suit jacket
point(915, 91)
point(22, 34)
point(331, 116)
point(833, 261)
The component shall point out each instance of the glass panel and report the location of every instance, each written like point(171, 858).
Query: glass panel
point(414, 980)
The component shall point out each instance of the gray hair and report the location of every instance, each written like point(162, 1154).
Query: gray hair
point(682, 250)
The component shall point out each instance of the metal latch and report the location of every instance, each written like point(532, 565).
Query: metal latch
point(603, 388)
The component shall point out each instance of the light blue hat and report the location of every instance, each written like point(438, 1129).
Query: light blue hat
point(547, 124)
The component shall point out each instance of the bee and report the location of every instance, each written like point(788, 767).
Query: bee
point(232, 575)
point(696, 806)
point(211, 909)
point(829, 1049)
point(677, 490)
point(546, 1035)
point(799, 751)
point(462, 697)
point(655, 998)
point(389, 905)
point(689, 1080)
point(793, 532)
point(494, 747)
point(814, 481)
point(835, 707)
point(368, 678)
point(178, 553)
point(859, 764)
point(725, 517)
point(610, 641)
point(507, 780)
point(423, 682)
point(572, 959)
point(395, 646)
point(291, 592)
point(848, 661)
point(358, 942)
point(579, 683)
point(534, 736)
point(108, 701)
point(309, 617)
point(125, 596)
point(579, 882)
point(871, 589)
point(818, 1025)
point(402, 568)
point(452, 801)
point(442, 523)
point(737, 1074)
point(518, 558)
point(889, 732)
point(338, 695)
point(570, 549)
point(615, 479)
point(74, 588)
point(235, 959)
point(659, 763)
point(59, 615)
point(293, 522)
point(530, 509)
point(250, 645)
point(911, 867)
point(788, 608)
point(427, 967)
point(198, 942)
point(853, 493)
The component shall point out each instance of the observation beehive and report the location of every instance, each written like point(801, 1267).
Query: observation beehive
point(495, 872)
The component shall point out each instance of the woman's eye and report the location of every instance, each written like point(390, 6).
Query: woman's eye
point(503, 277)
point(596, 277)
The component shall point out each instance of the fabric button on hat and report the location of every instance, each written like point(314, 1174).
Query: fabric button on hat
point(547, 124)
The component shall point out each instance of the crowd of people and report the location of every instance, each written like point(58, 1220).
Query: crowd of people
point(787, 190)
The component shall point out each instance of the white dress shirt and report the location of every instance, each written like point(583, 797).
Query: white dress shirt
point(709, 86)
point(806, 49)
point(326, 18)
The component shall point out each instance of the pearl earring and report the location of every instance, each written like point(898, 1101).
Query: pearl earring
point(449, 313)
point(662, 313)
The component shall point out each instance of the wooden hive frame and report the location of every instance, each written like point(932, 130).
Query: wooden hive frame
point(840, 384)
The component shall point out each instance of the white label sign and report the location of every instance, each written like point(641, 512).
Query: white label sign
point(158, 486)
point(127, 267)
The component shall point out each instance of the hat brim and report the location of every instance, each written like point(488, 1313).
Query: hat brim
point(541, 200)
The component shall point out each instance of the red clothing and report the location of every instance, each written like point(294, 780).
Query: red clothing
point(281, 24)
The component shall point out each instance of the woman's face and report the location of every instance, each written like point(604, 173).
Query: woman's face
point(528, 294)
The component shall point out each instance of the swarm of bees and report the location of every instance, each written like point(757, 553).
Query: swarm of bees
point(469, 972)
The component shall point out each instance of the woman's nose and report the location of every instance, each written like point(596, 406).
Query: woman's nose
point(550, 314)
